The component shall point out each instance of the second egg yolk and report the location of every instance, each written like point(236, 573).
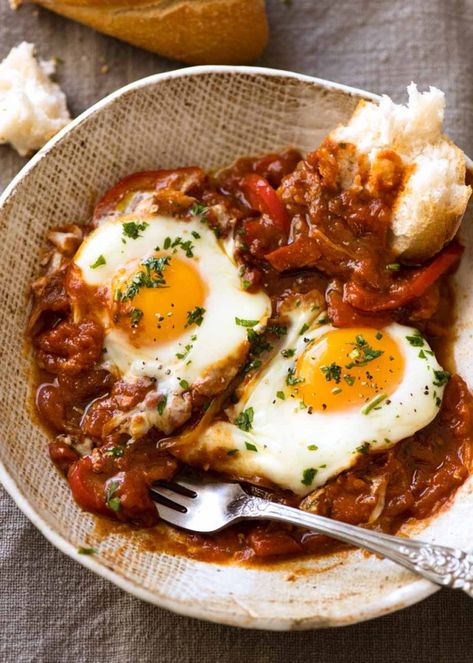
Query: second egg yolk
point(348, 368)
point(156, 300)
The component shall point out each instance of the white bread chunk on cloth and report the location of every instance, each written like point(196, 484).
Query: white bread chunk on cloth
point(32, 107)
point(429, 208)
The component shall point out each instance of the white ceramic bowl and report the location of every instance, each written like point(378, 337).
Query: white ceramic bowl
point(206, 116)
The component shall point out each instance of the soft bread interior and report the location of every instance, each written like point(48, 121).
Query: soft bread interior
point(33, 108)
point(428, 211)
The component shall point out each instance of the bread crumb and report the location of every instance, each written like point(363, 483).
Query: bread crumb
point(32, 107)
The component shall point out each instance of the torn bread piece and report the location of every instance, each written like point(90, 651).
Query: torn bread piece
point(32, 107)
point(430, 206)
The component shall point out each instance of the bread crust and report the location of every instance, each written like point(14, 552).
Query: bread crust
point(193, 31)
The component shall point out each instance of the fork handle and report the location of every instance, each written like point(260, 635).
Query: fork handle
point(447, 567)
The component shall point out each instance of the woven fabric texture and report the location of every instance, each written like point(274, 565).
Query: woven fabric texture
point(53, 610)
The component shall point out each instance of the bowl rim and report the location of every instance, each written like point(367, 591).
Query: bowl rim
point(402, 597)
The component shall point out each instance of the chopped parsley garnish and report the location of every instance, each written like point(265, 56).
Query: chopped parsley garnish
point(258, 343)
point(349, 379)
point(135, 315)
point(195, 234)
point(156, 264)
point(250, 446)
point(362, 353)
point(364, 448)
point(86, 551)
point(313, 447)
point(393, 266)
point(195, 317)
point(113, 501)
point(308, 475)
point(332, 372)
point(132, 229)
point(246, 323)
point(379, 336)
point(291, 380)
point(303, 329)
point(416, 341)
point(100, 261)
point(116, 452)
point(152, 277)
point(280, 395)
point(137, 282)
point(198, 209)
point(374, 403)
point(441, 378)
point(246, 284)
point(288, 352)
point(232, 452)
point(183, 355)
point(277, 330)
point(162, 405)
point(186, 246)
point(184, 384)
point(244, 421)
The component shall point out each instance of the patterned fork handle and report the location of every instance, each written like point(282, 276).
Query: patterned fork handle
point(448, 567)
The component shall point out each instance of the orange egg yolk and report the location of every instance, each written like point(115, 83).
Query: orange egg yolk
point(156, 300)
point(348, 368)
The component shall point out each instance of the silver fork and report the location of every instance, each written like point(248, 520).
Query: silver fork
point(203, 505)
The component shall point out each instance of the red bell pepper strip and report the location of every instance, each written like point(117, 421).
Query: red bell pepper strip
point(263, 198)
point(88, 487)
point(142, 181)
point(406, 288)
point(342, 314)
point(146, 180)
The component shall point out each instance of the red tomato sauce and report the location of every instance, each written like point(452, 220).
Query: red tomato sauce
point(297, 230)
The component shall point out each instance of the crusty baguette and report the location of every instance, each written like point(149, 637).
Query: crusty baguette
point(193, 31)
point(429, 208)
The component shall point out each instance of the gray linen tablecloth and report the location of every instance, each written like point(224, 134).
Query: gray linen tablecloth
point(51, 609)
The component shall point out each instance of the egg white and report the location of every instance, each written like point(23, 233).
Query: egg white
point(217, 341)
point(286, 439)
